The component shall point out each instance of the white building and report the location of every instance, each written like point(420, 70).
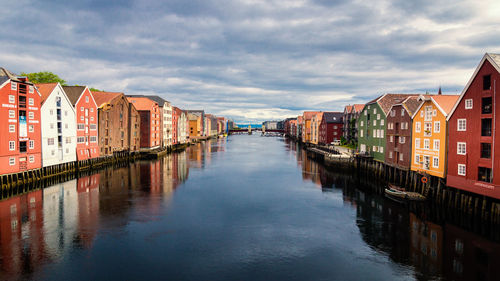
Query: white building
point(167, 124)
point(182, 127)
point(58, 124)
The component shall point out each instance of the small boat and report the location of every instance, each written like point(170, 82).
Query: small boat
point(400, 195)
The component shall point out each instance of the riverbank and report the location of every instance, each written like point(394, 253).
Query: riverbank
point(433, 188)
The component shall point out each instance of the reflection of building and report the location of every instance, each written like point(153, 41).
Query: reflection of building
point(60, 217)
point(468, 256)
point(88, 209)
point(426, 245)
point(20, 216)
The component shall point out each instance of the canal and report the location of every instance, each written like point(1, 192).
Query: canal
point(242, 208)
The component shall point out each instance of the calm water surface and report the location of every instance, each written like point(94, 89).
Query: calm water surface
point(245, 208)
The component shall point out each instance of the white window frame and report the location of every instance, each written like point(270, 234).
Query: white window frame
point(461, 145)
point(12, 114)
point(32, 159)
point(382, 122)
point(361, 123)
point(12, 161)
point(427, 143)
point(459, 169)
point(31, 101)
point(434, 158)
point(390, 154)
point(12, 128)
point(417, 159)
point(374, 122)
point(31, 115)
point(12, 99)
point(12, 145)
point(402, 112)
point(32, 144)
point(462, 122)
point(391, 138)
point(402, 139)
point(13, 86)
point(438, 145)
point(468, 104)
point(417, 143)
point(427, 131)
point(437, 126)
point(401, 157)
point(381, 149)
point(31, 128)
point(418, 127)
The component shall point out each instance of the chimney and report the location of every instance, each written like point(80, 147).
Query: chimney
point(439, 91)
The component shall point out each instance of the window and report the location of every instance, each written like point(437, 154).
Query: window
point(486, 150)
point(12, 161)
point(435, 162)
point(52, 125)
point(381, 149)
point(32, 159)
point(391, 138)
point(12, 128)
point(402, 140)
point(87, 99)
point(51, 112)
point(31, 101)
point(12, 99)
point(31, 128)
point(31, 115)
point(360, 133)
point(401, 157)
point(382, 122)
point(417, 127)
point(427, 129)
point(81, 118)
point(461, 169)
point(13, 86)
point(374, 111)
point(22, 146)
point(389, 126)
point(435, 145)
point(80, 140)
point(417, 143)
point(12, 114)
point(365, 113)
point(428, 113)
point(486, 127)
point(91, 109)
point(81, 108)
point(50, 141)
point(468, 104)
point(91, 118)
point(374, 122)
point(461, 124)
point(12, 145)
point(382, 133)
point(437, 126)
point(361, 123)
point(402, 112)
point(32, 144)
point(93, 139)
point(378, 116)
point(417, 159)
point(486, 82)
point(390, 154)
point(484, 174)
point(486, 105)
point(461, 148)
point(427, 144)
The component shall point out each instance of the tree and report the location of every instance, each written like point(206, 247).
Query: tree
point(44, 77)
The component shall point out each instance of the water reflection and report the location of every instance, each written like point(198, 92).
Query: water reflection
point(44, 225)
point(436, 249)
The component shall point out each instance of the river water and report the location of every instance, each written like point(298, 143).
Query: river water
point(242, 208)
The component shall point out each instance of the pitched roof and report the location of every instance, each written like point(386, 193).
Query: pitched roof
point(446, 102)
point(358, 107)
point(348, 108)
point(102, 98)
point(411, 104)
point(309, 114)
point(333, 117)
point(141, 103)
point(494, 59)
point(159, 100)
point(386, 101)
point(73, 92)
point(45, 90)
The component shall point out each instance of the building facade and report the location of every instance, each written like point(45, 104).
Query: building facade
point(58, 123)
point(429, 134)
point(330, 127)
point(113, 116)
point(134, 128)
point(182, 127)
point(473, 157)
point(399, 132)
point(350, 128)
point(150, 116)
point(20, 146)
point(87, 146)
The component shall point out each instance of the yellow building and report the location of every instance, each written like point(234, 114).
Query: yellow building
point(429, 137)
point(307, 129)
point(315, 122)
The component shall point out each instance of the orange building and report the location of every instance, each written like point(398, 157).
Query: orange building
point(20, 144)
point(429, 134)
point(150, 121)
point(307, 121)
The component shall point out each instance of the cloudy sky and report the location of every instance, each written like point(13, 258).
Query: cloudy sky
point(252, 60)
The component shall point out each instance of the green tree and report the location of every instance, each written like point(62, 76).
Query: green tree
point(44, 77)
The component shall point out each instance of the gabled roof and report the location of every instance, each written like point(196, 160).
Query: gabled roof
point(102, 98)
point(309, 114)
point(141, 103)
point(358, 107)
point(348, 109)
point(45, 90)
point(444, 103)
point(74, 93)
point(411, 104)
point(159, 100)
point(494, 59)
point(333, 117)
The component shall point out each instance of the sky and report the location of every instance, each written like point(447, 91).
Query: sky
point(253, 60)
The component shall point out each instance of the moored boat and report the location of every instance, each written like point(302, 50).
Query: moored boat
point(400, 195)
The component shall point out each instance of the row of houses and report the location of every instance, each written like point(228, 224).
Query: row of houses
point(446, 136)
point(50, 124)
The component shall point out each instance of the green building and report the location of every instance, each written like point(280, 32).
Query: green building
point(372, 124)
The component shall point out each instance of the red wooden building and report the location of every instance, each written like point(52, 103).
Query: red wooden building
point(473, 156)
point(330, 127)
point(87, 146)
point(20, 144)
point(150, 122)
point(398, 136)
point(176, 113)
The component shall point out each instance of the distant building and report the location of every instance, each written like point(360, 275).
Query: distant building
point(196, 123)
point(330, 127)
point(350, 129)
point(150, 122)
